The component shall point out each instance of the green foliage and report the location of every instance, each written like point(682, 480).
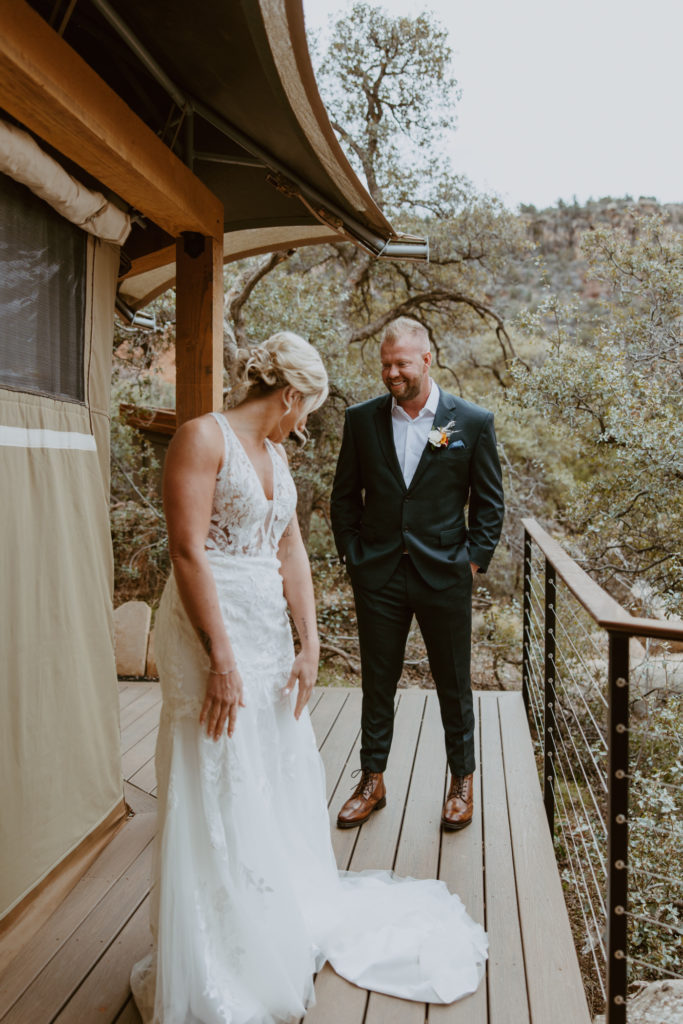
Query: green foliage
point(336, 607)
point(497, 639)
point(616, 390)
point(141, 562)
point(138, 529)
point(656, 838)
point(388, 85)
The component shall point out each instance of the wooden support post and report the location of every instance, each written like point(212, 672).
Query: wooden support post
point(199, 325)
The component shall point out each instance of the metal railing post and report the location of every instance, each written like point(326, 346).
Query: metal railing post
point(526, 622)
point(549, 697)
point(617, 829)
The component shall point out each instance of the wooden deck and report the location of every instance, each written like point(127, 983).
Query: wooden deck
point(75, 970)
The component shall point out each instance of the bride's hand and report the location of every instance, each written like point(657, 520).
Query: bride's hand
point(305, 670)
point(224, 693)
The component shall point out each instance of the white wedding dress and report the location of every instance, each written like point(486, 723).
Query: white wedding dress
point(248, 902)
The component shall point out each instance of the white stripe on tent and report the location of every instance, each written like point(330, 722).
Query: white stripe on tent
point(30, 437)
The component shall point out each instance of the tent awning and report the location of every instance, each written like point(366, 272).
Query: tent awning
point(229, 88)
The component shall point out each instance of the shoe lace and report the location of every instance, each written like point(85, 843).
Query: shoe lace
point(458, 786)
point(366, 784)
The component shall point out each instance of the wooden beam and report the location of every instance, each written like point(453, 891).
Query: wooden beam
point(50, 89)
point(151, 261)
point(199, 326)
point(159, 421)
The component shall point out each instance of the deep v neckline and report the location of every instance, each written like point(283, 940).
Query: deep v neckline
point(271, 453)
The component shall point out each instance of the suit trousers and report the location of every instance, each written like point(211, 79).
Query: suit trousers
point(445, 621)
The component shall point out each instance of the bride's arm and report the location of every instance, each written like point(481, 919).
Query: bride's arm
point(298, 586)
point(192, 463)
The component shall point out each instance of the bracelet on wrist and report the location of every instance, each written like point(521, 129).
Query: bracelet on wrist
point(215, 672)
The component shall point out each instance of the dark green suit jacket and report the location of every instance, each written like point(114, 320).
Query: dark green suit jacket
point(375, 517)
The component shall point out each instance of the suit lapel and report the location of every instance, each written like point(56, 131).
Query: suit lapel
point(444, 413)
point(385, 436)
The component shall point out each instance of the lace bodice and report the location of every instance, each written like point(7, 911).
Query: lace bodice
point(243, 520)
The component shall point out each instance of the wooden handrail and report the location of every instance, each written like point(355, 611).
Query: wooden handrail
point(605, 611)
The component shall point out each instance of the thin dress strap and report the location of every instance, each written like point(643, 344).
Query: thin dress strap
point(223, 424)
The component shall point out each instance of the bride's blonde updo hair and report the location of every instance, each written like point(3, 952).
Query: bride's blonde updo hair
point(284, 360)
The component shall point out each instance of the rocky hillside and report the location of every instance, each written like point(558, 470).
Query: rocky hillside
point(557, 261)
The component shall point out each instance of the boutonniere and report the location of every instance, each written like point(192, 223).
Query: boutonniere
point(440, 437)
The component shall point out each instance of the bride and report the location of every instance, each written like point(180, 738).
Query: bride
point(247, 902)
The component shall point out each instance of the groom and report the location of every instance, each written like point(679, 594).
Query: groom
point(410, 462)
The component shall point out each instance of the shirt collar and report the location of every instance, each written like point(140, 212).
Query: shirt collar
point(428, 409)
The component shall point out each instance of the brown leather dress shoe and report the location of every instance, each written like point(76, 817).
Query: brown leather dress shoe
point(458, 809)
point(368, 796)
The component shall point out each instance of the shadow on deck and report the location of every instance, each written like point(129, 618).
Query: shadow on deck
point(76, 967)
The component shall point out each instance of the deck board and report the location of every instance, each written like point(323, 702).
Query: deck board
point(129, 692)
point(145, 777)
point(61, 977)
point(506, 975)
point(146, 698)
point(140, 754)
point(325, 712)
point(338, 1002)
point(76, 968)
point(145, 725)
point(539, 890)
point(107, 986)
point(419, 843)
point(129, 1014)
point(460, 867)
point(124, 849)
point(338, 746)
point(377, 846)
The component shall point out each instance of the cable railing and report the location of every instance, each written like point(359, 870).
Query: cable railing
point(612, 779)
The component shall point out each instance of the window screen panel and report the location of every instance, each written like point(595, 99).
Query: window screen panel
point(42, 296)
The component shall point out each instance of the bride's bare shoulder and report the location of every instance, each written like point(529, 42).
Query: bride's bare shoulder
point(200, 438)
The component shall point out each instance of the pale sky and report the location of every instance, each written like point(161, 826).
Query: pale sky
point(561, 99)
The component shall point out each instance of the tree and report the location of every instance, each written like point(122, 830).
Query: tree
point(617, 392)
point(388, 85)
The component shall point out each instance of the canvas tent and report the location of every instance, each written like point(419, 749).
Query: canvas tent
point(140, 144)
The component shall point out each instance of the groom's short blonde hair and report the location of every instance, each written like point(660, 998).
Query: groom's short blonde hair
point(405, 326)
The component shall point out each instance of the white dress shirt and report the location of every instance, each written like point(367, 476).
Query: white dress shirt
point(410, 435)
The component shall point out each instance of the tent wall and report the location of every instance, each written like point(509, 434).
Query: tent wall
point(60, 766)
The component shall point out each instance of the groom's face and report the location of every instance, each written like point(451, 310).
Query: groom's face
point(405, 368)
